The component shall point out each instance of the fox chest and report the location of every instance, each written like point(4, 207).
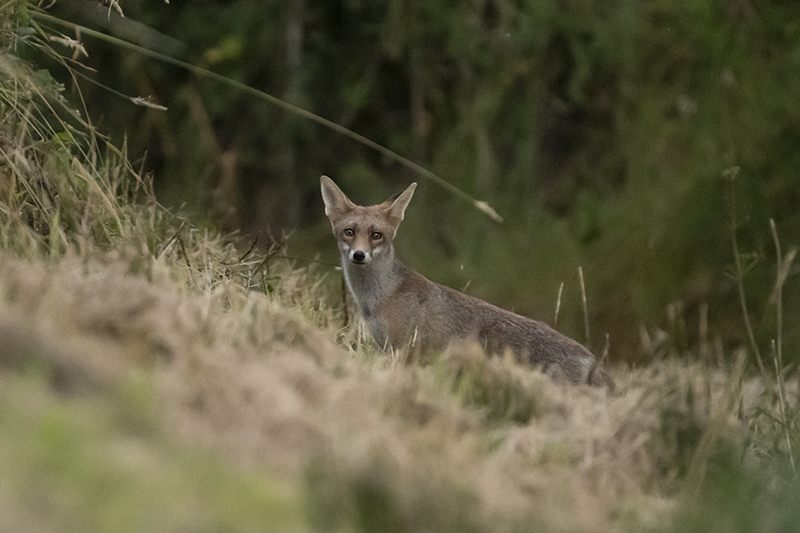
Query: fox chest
point(396, 323)
point(378, 329)
point(386, 332)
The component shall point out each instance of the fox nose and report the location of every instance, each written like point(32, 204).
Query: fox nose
point(359, 256)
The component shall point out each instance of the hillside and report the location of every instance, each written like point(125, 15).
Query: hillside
point(155, 378)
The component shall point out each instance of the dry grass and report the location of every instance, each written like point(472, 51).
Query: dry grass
point(237, 372)
point(151, 381)
point(465, 442)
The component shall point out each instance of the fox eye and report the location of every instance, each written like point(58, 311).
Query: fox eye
point(349, 232)
point(376, 235)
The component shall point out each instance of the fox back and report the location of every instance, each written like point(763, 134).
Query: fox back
point(403, 310)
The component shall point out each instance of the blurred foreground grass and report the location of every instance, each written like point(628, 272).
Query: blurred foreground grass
point(101, 462)
point(152, 379)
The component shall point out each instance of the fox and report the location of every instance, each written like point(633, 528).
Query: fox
point(407, 313)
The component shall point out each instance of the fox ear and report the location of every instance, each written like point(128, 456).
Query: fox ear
point(336, 202)
point(397, 208)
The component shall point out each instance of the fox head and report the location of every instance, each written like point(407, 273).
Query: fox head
point(364, 233)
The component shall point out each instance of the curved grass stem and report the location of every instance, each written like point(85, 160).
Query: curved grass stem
point(477, 204)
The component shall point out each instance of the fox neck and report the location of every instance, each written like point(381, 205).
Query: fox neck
point(371, 283)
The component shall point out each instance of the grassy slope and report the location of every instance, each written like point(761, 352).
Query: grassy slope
point(149, 381)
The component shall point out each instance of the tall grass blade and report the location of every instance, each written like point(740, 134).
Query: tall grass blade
point(699, 463)
point(783, 268)
point(585, 306)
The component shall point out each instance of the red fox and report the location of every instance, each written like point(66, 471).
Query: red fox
point(403, 310)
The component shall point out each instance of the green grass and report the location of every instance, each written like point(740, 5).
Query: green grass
point(152, 381)
point(100, 462)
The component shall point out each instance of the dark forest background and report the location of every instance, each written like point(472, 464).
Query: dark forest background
point(623, 136)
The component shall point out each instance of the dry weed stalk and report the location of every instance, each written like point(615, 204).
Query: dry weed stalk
point(784, 265)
